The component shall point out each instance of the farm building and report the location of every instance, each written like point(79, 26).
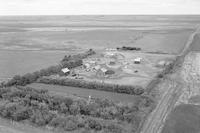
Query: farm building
point(92, 62)
point(65, 70)
point(87, 65)
point(97, 67)
point(111, 49)
point(108, 54)
point(137, 60)
point(104, 70)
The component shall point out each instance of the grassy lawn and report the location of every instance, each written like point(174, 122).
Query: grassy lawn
point(66, 90)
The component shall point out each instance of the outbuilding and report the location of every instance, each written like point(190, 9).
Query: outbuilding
point(87, 65)
point(97, 67)
point(65, 70)
point(137, 60)
point(104, 70)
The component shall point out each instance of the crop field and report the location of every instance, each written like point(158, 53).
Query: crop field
point(183, 119)
point(149, 41)
point(76, 33)
point(21, 62)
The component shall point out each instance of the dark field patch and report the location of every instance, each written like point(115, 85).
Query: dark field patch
point(183, 119)
point(195, 46)
point(195, 99)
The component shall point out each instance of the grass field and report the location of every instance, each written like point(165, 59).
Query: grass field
point(65, 90)
point(150, 41)
point(183, 119)
point(157, 34)
point(21, 62)
point(7, 126)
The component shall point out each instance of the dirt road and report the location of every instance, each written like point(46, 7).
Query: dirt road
point(173, 90)
point(156, 119)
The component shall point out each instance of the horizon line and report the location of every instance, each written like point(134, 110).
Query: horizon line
point(101, 15)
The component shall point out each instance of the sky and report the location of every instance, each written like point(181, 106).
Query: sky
point(95, 7)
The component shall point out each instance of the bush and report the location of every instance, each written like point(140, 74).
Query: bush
point(40, 108)
point(68, 123)
point(110, 72)
point(112, 128)
point(93, 124)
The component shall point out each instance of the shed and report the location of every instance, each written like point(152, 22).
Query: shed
point(65, 70)
point(97, 67)
point(92, 62)
point(87, 65)
point(137, 60)
point(104, 70)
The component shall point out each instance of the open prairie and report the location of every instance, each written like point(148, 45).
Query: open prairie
point(28, 44)
point(156, 34)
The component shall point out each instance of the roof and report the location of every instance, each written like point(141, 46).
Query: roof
point(92, 62)
point(138, 59)
point(109, 54)
point(104, 70)
point(97, 67)
point(87, 64)
point(65, 70)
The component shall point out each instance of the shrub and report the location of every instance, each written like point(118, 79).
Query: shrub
point(40, 108)
point(112, 128)
point(110, 72)
point(68, 123)
point(93, 124)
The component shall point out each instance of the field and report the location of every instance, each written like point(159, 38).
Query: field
point(183, 119)
point(21, 62)
point(7, 126)
point(65, 90)
point(150, 41)
point(28, 44)
point(195, 45)
point(154, 34)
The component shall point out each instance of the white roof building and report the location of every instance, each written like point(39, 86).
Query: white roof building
point(92, 62)
point(87, 65)
point(138, 59)
point(97, 67)
point(65, 70)
point(109, 54)
point(104, 70)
